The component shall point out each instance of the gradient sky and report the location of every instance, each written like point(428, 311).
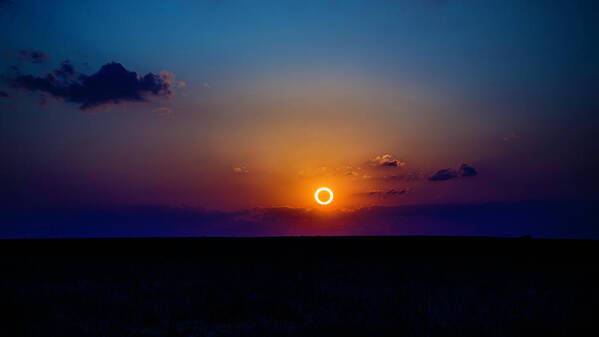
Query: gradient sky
point(268, 100)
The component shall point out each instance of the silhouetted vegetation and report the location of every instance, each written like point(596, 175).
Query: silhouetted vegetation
point(306, 293)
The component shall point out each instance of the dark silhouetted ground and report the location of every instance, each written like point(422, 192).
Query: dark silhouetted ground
point(354, 286)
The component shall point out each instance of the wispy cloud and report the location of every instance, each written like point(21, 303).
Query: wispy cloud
point(163, 111)
point(385, 194)
point(241, 170)
point(407, 177)
point(386, 160)
point(33, 56)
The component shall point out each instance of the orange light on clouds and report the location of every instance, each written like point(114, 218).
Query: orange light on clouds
point(323, 189)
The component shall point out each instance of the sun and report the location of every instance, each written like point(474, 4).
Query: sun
point(318, 192)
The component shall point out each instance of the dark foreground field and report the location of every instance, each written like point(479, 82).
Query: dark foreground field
point(370, 286)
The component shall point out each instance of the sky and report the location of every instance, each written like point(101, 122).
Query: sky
point(227, 110)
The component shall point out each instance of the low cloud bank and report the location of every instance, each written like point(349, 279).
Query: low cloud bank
point(536, 218)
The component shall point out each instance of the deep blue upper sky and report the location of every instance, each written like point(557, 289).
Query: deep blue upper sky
point(513, 46)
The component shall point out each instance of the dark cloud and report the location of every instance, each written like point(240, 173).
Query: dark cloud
point(467, 171)
point(539, 219)
point(394, 192)
point(444, 174)
point(111, 84)
point(386, 160)
point(386, 194)
point(3, 94)
point(278, 214)
point(33, 56)
point(66, 70)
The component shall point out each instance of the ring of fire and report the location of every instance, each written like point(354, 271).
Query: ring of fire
point(326, 189)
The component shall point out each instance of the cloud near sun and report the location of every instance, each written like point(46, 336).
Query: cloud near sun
point(432, 219)
point(392, 193)
point(386, 160)
point(112, 84)
point(371, 170)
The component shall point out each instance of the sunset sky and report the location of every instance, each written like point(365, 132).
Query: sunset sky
point(249, 106)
